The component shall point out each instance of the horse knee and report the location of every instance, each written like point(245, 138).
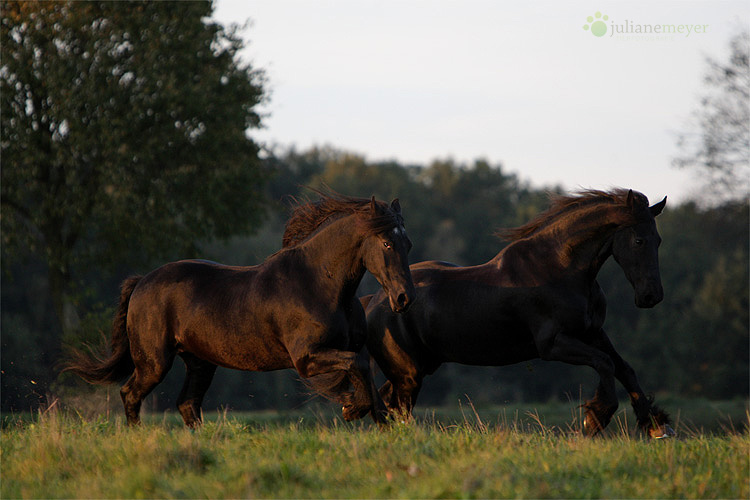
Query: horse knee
point(303, 365)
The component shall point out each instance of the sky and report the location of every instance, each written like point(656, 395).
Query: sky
point(520, 84)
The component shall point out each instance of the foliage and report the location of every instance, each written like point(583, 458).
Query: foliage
point(720, 148)
point(123, 135)
point(63, 456)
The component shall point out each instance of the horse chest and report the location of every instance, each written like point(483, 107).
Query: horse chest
point(576, 315)
point(580, 310)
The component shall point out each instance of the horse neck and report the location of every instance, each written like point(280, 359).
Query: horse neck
point(577, 246)
point(336, 251)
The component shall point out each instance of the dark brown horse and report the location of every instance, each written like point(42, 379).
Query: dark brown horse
point(538, 298)
point(297, 309)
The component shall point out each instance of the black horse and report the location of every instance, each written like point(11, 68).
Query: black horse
point(538, 298)
point(297, 309)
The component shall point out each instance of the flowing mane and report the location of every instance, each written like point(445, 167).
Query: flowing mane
point(564, 208)
point(308, 217)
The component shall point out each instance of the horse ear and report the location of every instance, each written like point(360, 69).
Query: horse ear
point(630, 202)
point(373, 205)
point(396, 206)
point(656, 209)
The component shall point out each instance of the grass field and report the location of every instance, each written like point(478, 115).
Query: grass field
point(464, 454)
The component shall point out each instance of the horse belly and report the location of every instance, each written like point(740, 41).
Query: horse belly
point(241, 338)
point(240, 352)
point(481, 326)
point(490, 345)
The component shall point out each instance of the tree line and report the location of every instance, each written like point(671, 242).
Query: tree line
point(693, 344)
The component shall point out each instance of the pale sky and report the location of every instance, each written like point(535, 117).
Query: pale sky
point(517, 83)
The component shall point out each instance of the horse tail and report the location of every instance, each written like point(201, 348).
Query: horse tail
point(100, 368)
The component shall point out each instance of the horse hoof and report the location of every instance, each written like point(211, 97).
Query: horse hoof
point(662, 432)
point(349, 412)
point(346, 412)
point(591, 426)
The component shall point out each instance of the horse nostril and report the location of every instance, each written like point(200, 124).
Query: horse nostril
point(402, 300)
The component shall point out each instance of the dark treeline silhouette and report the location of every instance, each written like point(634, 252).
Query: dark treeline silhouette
point(694, 344)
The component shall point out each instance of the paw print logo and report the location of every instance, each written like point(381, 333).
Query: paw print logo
point(596, 24)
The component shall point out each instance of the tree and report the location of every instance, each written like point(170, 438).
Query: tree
point(123, 135)
point(720, 149)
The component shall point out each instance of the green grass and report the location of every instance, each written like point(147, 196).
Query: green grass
point(61, 455)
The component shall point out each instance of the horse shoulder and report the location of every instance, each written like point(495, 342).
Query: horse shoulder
point(528, 263)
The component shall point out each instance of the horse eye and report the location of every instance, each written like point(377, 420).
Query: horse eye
point(639, 241)
point(387, 244)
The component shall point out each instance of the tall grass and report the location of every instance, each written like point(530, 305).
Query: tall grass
point(59, 455)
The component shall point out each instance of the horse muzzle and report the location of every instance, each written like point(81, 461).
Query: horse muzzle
point(401, 300)
point(649, 297)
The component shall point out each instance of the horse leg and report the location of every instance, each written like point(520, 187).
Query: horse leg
point(400, 395)
point(340, 366)
point(404, 376)
point(147, 375)
point(366, 366)
point(152, 359)
point(388, 395)
point(198, 376)
point(651, 419)
point(407, 390)
point(602, 406)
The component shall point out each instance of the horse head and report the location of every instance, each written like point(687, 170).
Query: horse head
point(385, 255)
point(636, 249)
